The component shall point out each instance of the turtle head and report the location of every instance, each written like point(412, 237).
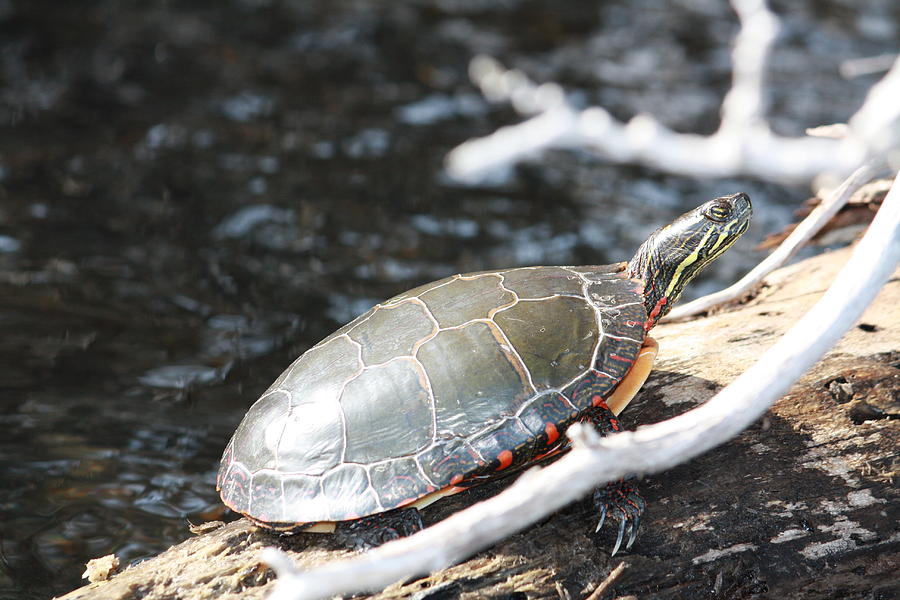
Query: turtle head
point(675, 253)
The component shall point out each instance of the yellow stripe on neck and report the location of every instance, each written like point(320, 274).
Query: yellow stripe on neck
point(716, 249)
point(688, 261)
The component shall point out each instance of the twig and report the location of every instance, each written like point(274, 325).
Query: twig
point(857, 67)
point(809, 227)
point(594, 460)
point(606, 583)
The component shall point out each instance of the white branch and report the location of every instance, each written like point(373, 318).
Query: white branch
point(644, 140)
point(744, 105)
point(594, 460)
point(743, 144)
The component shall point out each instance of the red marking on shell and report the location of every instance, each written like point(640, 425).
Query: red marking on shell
point(634, 323)
point(621, 358)
point(444, 461)
point(552, 433)
point(505, 458)
point(429, 489)
point(651, 318)
point(550, 452)
point(456, 479)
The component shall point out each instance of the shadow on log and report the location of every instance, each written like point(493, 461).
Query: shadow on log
point(803, 505)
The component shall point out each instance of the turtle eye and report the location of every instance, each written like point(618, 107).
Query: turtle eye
point(718, 212)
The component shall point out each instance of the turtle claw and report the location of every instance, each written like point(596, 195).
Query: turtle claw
point(619, 537)
point(602, 517)
point(623, 502)
point(635, 524)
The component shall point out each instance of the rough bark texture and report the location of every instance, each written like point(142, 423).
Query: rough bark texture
point(803, 505)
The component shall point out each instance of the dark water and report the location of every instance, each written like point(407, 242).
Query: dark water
point(193, 193)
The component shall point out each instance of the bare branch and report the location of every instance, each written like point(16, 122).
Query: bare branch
point(743, 145)
point(644, 140)
point(743, 107)
point(594, 460)
point(857, 67)
point(606, 583)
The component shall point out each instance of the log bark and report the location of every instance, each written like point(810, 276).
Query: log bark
point(803, 505)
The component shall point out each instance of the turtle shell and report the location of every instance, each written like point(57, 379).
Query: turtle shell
point(450, 382)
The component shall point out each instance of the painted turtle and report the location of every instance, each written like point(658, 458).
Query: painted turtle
point(460, 381)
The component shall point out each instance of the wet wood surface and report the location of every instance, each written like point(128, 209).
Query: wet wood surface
point(802, 505)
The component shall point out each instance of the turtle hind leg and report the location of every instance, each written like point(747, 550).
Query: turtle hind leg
point(620, 500)
point(375, 530)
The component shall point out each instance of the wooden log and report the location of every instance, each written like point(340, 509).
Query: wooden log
point(803, 505)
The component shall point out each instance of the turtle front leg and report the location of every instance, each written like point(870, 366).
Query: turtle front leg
point(373, 531)
point(618, 500)
point(622, 502)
